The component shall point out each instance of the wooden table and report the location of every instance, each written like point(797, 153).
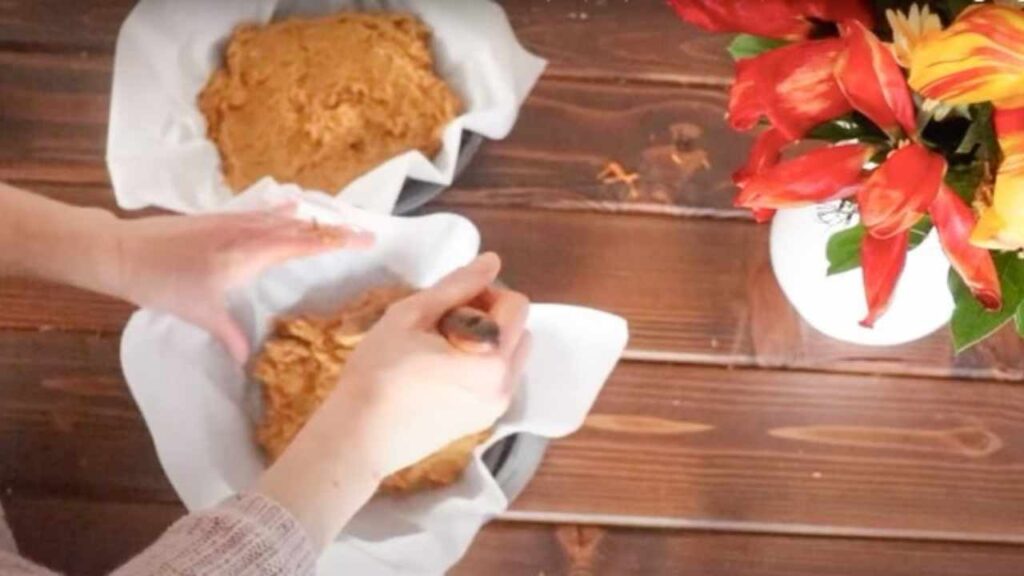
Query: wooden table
point(732, 440)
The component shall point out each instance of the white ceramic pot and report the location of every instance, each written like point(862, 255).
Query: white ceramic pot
point(834, 305)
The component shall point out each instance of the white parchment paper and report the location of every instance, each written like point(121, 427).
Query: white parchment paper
point(157, 150)
point(198, 404)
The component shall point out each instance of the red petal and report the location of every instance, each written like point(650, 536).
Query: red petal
point(837, 10)
point(787, 19)
point(818, 176)
point(771, 18)
point(897, 194)
point(746, 97)
point(1010, 127)
point(954, 220)
point(882, 260)
point(793, 86)
point(873, 82)
point(765, 153)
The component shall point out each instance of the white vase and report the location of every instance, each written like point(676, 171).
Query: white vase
point(834, 305)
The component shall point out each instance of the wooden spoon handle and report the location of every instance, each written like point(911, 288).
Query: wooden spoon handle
point(470, 330)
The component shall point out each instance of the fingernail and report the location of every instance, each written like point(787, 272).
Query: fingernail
point(361, 238)
point(283, 205)
point(486, 261)
point(344, 235)
point(355, 229)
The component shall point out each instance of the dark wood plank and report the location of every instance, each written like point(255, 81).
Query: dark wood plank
point(708, 294)
point(598, 551)
point(580, 38)
point(54, 25)
point(674, 138)
point(619, 39)
point(666, 445)
point(758, 449)
point(53, 108)
point(86, 538)
point(68, 423)
point(700, 290)
point(33, 305)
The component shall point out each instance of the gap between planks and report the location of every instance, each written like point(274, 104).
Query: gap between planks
point(762, 528)
point(681, 359)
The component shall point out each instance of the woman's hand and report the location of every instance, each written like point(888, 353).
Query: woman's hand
point(185, 265)
point(404, 394)
point(416, 391)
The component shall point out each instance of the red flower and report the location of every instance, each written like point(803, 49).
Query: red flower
point(787, 19)
point(954, 220)
point(882, 260)
point(793, 86)
point(869, 75)
point(765, 153)
point(897, 194)
point(818, 176)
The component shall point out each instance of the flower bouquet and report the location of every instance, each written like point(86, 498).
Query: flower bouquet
point(920, 109)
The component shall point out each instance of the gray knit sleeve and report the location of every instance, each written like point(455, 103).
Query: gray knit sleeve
point(247, 535)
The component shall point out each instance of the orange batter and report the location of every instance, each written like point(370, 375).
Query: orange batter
point(300, 365)
point(319, 102)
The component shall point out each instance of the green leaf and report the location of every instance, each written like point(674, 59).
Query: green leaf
point(850, 127)
point(964, 180)
point(843, 249)
point(971, 322)
point(980, 137)
point(748, 45)
point(920, 231)
point(1020, 319)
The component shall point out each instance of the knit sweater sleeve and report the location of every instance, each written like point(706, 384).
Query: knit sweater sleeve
point(247, 535)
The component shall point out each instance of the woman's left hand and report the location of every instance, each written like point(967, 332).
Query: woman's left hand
point(186, 265)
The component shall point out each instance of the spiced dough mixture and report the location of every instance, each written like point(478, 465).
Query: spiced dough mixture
point(320, 101)
point(300, 365)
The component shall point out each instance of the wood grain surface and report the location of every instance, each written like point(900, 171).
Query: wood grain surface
point(707, 296)
point(84, 538)
point(579, 38)
point(669, 445)
point(758, 446)
point(54, 108)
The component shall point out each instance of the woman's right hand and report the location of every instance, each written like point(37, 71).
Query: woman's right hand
point(416, 392)
point(404, 394)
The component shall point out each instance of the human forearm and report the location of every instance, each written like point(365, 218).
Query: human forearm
point(404, 394)
point(42, 238)
point(327, 474)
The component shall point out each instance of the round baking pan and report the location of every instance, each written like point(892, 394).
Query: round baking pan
point(416, 193)
point(514, 460)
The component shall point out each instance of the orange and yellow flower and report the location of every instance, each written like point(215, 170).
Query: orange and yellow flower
point(801, 85)
point(908, 28)
point(1001, 226)
point(979, 58)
